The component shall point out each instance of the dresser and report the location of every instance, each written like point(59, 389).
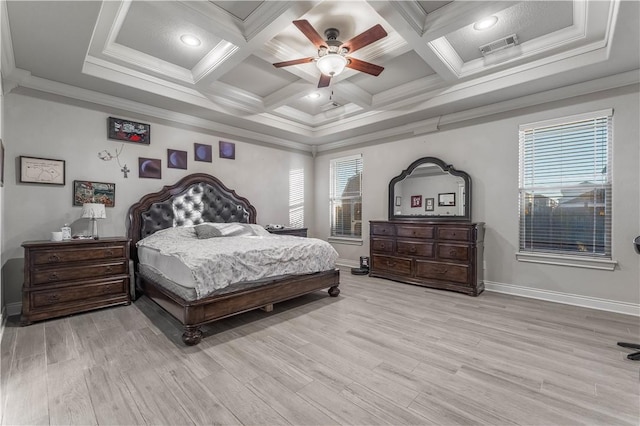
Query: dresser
point(298, 232)
point(66, 277)
point(446, 255)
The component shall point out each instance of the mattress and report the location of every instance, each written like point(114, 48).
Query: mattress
point(203, 266)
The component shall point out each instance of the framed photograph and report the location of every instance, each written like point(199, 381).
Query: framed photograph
point(202, 152)
point(447, 199)
point(128, 131)
point(416, 201)
point(176, 159)
point(85, 191)
point(150, 168)
point(428, 204)
point(228, 150)
point(398, 201)
point(41, 170)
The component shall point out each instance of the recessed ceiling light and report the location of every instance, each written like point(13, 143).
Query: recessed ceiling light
point(190, 40)
point(314, 95)
point(485, 23)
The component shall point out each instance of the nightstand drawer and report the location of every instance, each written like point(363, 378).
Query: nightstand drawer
point(47, 298)
point(60, 255)
point(51, 275)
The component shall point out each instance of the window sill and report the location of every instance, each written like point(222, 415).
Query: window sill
point(564, 260)
point(347, 241)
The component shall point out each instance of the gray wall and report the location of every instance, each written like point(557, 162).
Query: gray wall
point(488, 150)
point(49, 129)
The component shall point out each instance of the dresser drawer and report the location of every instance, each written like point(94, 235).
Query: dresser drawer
point(414, 231)
point(382, 229)
point(51, 275)
point(391, 264)
point(414, 249)
point(47, 298)
point(42, 257)
point(381, 245)
point(442, 271)
point(453, 252)
point(460, 234)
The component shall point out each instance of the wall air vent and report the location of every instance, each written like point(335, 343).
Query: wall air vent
point(497, 45)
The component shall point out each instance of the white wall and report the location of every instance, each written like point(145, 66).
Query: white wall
point(48, 129)
point(488, 150)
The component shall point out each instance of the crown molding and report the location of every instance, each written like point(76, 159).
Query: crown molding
point(7, 60)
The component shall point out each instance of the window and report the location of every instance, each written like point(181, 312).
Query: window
point(296, 198)
point(346, 197)
point(565, 186)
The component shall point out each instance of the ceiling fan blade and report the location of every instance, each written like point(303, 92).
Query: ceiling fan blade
point(293, 62)
point(311, 33)
point(324, 81)
point(373, 34)
point(367, 67)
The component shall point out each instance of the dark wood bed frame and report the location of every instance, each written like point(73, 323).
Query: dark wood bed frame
point(194, 314)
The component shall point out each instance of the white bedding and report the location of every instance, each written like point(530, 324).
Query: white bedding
point(213, 263)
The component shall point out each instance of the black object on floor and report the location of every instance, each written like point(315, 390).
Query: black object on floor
point(635, 355)
point(359, 271)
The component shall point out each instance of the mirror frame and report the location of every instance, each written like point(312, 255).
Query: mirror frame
point(446, 168)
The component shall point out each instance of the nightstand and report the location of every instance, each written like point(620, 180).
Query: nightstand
point(298, 232)
point(67, 277)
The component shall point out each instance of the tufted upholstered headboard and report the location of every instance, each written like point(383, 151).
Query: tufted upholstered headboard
point(194, 199)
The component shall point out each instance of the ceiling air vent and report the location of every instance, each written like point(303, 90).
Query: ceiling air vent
point(503, 43)
point(329, 105)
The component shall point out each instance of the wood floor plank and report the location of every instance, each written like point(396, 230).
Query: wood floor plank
point(380, 353)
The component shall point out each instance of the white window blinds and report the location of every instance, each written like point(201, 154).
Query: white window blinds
point(565, 185)
point(346, 197)
point(296, 198)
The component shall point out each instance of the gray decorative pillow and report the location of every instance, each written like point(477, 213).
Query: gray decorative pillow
point(207, 230)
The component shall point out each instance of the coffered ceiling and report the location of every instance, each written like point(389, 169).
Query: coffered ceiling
point(129, 55)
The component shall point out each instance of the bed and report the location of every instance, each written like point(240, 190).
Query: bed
point(192, 203)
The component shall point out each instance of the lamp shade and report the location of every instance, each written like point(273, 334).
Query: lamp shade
point(94, 211)
point(331, 64)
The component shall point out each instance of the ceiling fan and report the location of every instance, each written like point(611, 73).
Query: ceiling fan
point(332, 53)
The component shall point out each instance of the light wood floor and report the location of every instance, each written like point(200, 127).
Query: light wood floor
point(380, 353)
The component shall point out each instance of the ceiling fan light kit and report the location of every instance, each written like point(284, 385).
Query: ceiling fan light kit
point(332, 59)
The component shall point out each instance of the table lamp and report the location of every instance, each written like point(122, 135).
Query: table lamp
point(93, 211)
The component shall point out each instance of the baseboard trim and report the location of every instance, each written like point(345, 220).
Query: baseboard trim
point(566, 298)
point(14, 309)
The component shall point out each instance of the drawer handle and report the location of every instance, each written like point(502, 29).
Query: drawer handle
point(391, 263)
point(412, 249)
point(53, 276)
point(381, 246)
point(109, 252)
point(441, 271)
point(108, 269)
point(54, 258)
point(105, 290)
point(53, 298)
point(453, 234)
point(452, 252)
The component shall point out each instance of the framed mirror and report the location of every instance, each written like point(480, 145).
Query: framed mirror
point(430, 189)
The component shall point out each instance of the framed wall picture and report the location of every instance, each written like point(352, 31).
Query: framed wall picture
point(428, 204)
point(447, 199)
point(85, 191)
point(41, 170)
point(128, 131)
point(228, 150)
point(176, 159)
point(150, 168)
point(202, 152)
point(416, 201)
